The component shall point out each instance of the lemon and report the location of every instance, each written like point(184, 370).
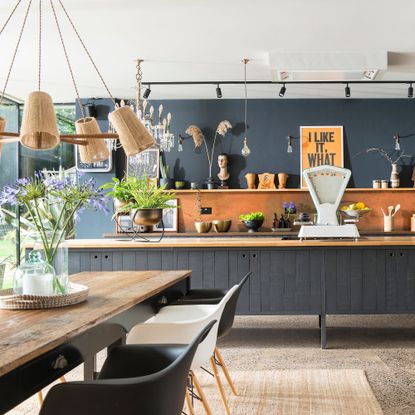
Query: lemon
point(352, 206)
point(345, 207)
point(360, 205)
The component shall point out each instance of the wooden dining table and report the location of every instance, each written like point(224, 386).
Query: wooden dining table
point(39, 346)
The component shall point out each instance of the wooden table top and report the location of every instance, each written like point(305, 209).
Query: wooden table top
point(238, 242)
point(26, 334)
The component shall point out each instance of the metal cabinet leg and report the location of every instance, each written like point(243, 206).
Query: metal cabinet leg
point(323, 337)
point(319, 321)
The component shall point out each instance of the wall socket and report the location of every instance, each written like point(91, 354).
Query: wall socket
point(206, 211)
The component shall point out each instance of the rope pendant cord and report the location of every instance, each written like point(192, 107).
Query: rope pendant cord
point(138, 77)
point(67, 59)
point(10, 16)
point(87, 52)
point(15, 52)
point(39, 72)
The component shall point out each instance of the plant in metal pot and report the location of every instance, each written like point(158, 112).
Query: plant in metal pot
point(253, 221)
point(120, 191)
point(147, 202)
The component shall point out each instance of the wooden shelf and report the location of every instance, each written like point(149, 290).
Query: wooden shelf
point(369, 189)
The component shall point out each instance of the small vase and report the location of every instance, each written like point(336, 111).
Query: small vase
point(395, 182)
point(250, 180)
point(210, 182)
point(282, 180)
point(57, 257)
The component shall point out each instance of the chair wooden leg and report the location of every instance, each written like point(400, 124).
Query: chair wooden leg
point(219, 385)
point(225, 371)
point(200, 393)
point(189, 402)
point(40, 399)
point(40, 393)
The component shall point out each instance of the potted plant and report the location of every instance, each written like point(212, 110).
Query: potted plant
point(165, 181)
point(253, 221)
point(120, 192)
point(146, 202)
point(198, 139)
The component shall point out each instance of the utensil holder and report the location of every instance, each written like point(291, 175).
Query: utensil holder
point(388, 223)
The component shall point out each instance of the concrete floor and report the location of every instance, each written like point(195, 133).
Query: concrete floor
point(383, 346)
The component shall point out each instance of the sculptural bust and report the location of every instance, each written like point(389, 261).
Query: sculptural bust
point(223, 161)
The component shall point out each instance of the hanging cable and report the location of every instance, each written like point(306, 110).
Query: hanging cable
point(67, 59)
point(39, 72)
point(245, 149)
point(87, 52)
point(10, 16)
point(138, 78)
point(15, 52)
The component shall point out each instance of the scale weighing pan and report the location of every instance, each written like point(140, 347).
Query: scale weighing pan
point(326, 185)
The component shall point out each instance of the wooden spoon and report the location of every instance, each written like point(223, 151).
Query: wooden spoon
point(397, 207)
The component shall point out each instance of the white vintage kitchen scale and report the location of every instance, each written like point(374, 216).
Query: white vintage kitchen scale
point(326, 185)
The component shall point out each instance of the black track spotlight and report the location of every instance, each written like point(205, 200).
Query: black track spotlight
point(147, 92)
point(410, 91)
point(218, 92)
point(282, 91)
point(347, 91)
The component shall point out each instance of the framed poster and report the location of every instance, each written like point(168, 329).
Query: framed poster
point(170, 218)
point(98, 167)
point(145, 164)
point(321, 145)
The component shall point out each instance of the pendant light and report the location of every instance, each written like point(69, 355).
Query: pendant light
point(39, 130)
point(245, 149)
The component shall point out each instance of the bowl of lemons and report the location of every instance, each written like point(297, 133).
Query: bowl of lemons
point(354, 210)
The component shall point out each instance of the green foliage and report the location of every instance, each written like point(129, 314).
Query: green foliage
point(145, 194)
point(164, 169)
point(252, 216)
point(120, 189)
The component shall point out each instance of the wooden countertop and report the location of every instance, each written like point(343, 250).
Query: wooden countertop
point(237, 242)
point(27, 334)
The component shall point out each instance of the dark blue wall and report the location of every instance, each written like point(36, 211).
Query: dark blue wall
point(367, 123)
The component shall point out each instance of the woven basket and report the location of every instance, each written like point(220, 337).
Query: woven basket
point(76, 294)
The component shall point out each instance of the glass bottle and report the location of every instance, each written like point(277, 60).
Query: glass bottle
point(275, 221)
point(281, 223)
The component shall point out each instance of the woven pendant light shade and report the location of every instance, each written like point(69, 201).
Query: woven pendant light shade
point(96, 149)
point(133, 136)
point(2, 128)
point(39, 129)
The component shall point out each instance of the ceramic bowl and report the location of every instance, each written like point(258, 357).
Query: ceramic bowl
point(222, 225)
point(203, 227)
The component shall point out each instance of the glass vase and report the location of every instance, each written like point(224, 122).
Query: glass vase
point(54, 250)
point(34, 277)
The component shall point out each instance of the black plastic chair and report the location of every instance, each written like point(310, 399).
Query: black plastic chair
point(135, 380)
point(213, 296)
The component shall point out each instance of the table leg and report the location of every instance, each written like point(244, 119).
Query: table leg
point(323, 337)
point(90, 366)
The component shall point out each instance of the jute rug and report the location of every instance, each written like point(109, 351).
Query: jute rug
point(295, 392)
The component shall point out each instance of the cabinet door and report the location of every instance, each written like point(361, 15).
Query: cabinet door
point(290, 281)
point(400, 280)
point(355, 281)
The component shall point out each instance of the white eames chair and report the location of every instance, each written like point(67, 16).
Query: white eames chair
point(179, 325)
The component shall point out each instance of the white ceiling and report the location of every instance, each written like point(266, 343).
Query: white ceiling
point(206, 40)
